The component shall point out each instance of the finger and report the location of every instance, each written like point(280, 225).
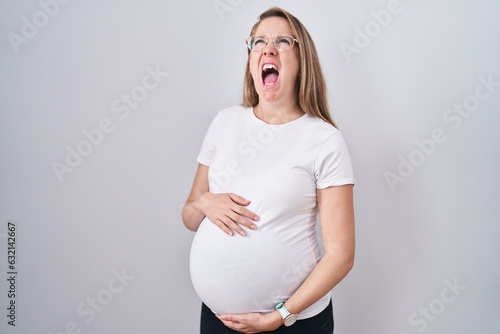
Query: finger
point(233, 225)
point(238, 199)
point(245, 212)
point(234, 318)
point(235, 325)
point(240, 220)
point(226, 320)
point(222, 225)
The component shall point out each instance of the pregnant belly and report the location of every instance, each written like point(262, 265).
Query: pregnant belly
point(235, 274)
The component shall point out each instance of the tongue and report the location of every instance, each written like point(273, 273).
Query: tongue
point(271, 78)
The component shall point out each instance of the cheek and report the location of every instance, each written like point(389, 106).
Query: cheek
point(254, 67)
point(292, 69)
point(296, 64)
point(297, 69)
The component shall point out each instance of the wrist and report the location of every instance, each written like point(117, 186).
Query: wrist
point(275, 320)
point(288, 318)
point(198, 203)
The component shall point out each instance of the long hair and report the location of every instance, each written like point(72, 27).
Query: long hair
point(310, 87)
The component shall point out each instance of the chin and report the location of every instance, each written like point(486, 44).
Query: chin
point(269, 97)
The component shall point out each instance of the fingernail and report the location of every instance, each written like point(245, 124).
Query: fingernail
point(256, 218)
point(243, 233)
point(254, 227)
point(230, 233)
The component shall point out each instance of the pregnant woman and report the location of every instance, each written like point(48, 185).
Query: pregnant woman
point(267, 170)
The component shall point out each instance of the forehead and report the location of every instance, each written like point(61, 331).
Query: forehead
point(273, 26)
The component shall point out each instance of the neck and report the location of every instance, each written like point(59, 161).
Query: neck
point(277, 114)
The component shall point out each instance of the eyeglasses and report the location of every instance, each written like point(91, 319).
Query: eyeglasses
point(282, 43)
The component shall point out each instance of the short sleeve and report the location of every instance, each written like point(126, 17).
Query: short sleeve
point(332, 165)
point(208, 148)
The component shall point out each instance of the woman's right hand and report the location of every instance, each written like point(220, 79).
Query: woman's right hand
point(227, 211)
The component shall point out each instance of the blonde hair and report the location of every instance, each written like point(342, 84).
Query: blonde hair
point(310, 87)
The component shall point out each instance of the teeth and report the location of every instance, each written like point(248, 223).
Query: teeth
point(269, 66)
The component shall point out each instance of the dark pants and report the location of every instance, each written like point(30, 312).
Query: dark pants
point(319, 324)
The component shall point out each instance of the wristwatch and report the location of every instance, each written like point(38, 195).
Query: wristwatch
point(288, 318)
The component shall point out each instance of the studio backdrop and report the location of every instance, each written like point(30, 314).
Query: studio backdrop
point(103, 109)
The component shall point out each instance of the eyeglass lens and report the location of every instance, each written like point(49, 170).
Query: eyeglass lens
point(281, 43)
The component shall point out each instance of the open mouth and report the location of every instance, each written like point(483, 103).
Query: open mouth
point(270, 74)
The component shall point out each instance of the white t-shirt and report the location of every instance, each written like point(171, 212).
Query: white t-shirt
point(278, 168)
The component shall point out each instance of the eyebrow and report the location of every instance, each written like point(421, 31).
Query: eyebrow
point(281, 34)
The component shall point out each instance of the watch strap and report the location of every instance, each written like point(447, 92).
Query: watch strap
point(282, 310)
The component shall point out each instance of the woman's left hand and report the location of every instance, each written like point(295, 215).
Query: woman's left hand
point(252, 322)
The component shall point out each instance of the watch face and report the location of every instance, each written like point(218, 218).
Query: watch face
point(290, 320)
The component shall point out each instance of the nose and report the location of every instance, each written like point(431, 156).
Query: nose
point(269, 49)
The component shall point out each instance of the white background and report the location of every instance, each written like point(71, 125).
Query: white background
point(119, 208)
